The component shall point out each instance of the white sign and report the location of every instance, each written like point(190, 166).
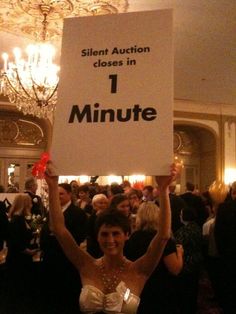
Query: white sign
point(114, 112)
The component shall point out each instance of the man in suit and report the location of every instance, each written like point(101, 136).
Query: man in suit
point(61, 280)
point(31, 187)
point(196, 203)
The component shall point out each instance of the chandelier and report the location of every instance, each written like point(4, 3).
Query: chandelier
point(32, 83)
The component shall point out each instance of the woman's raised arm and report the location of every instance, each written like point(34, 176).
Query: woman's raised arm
point(73, 252)
point(148, 262)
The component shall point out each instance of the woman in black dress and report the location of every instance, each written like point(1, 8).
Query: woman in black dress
point(19, 260)
point(158, 295)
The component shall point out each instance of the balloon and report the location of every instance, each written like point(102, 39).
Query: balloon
point(45, 157)
point(39, 167)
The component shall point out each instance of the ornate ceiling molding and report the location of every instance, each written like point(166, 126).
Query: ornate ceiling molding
point(20, 132)
point(25, 17)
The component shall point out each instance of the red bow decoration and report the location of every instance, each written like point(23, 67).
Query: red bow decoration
point(39, 167)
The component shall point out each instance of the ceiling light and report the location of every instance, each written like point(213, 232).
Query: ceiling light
point(31, 83)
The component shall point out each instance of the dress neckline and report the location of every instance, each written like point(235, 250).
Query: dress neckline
point(101, 292)
point(121, 288)
point(92, 300)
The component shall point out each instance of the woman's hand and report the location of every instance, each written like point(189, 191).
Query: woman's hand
point(51, 176)
point(164, 181)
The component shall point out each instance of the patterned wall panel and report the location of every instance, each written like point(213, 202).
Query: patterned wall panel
point(16, 132)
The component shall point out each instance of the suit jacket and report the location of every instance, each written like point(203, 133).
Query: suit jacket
point(76, 222)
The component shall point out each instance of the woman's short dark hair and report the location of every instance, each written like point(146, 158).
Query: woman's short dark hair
point(117, 199)
point(112, 218)
point(83, 188)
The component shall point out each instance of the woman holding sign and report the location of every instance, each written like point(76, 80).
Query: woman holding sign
point(112, 283)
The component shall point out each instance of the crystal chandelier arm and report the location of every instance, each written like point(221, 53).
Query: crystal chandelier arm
point(35, 92)
point(54, 91)
point(33, 86)
point(22, 86)
point(12, 87)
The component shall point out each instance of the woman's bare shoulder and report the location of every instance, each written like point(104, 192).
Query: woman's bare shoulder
point(91, 265)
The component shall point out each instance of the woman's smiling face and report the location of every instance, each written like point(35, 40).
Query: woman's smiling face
point(111, 239)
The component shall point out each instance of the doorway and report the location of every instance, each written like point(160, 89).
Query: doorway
point(195, 146)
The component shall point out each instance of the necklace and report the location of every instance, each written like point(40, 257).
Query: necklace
point(112, 279)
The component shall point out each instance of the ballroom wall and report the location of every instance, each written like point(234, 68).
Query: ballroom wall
point(204, 139)
point(216, 125)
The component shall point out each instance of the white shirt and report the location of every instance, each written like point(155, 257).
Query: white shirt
point(64, 207)
point(206, 226)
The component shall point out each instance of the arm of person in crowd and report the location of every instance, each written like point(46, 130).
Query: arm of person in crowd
point(28, 251)
point(148, 262)
point(74, 253)
point(174, 261)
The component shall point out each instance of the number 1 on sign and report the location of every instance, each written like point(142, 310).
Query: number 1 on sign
point(113, 78)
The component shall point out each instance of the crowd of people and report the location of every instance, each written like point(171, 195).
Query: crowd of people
point(117, 249)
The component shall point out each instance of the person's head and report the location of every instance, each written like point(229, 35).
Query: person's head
point(21, 205)
point(115, 188)
point(83, 192)
point(190, 186)
point(100, 202)
point(121, 203)
point(74, 185)
point(65, 193)
point(31, 185)
point(218, 191)
point(233, 190)
point(147, 216)
point(135, 197)
point(126, 185)
point(147, 192)
point(112, 229)
point(187, 214)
